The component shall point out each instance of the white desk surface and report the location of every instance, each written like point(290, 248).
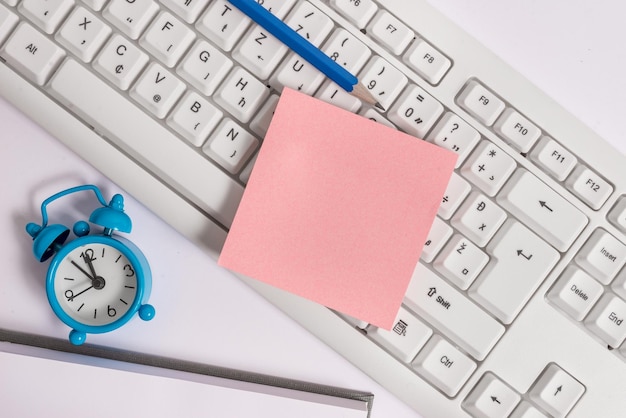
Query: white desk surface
point(572, 50)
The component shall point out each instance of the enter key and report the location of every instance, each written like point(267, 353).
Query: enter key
point(542, 209)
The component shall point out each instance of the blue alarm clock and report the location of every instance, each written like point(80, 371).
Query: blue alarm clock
point(96, 282)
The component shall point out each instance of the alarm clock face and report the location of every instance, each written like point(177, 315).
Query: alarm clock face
point(95, 284)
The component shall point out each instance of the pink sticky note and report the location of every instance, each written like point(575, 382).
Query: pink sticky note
point(337, 209)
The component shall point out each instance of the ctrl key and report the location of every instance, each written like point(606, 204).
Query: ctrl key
point(556, 391)
point(444, 366)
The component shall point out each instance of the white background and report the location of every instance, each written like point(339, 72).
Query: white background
point(572, 49)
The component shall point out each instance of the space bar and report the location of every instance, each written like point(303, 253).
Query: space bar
point(145, 140)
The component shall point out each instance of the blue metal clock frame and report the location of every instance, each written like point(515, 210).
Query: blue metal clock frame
point(49, 240)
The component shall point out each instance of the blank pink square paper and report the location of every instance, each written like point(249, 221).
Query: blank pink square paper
point(337, 209)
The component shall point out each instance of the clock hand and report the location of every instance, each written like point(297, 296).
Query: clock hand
point(98, 281)
point(73, 296)
point(89, 262)
point(92, 278)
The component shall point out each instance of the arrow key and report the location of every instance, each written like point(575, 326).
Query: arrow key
point(542, 209)
point(491, 398)
point(556, 391)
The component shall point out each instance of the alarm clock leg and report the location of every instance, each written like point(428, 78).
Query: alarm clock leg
point(146, 312)
point(77, 337)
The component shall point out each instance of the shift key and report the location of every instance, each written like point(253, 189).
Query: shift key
point(453, 313)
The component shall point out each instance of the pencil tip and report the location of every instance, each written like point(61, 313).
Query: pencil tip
point(361, 92)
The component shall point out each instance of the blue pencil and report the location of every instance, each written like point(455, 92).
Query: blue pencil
point(305, 49)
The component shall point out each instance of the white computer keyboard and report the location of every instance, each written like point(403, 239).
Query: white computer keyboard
point(517, 306)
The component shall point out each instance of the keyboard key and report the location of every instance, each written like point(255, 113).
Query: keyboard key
point(589, 187)
point(455, 134)
point(231, 145)
point(167, 38)
point(383, 81)
point(128, 127)
point(453, 314)
point(261, 121)
point(415, 111)
point(345, 49)
point(488, 167)
point(132, 18)
point(204, 66)
point(439, 233)
point(575, 292)
point(371, 114)
point(553, 158)
point(32, 54)
point(223, 24)
point(259, 52)
point(358, 12)
point(83, 34)
point(8, 20)
point(606, 320)
point(406, 338)
point(517, 130)
point(429, 63)
point(491, 398)
point(309, 22)
point(619, 284)
point(480, 102)
point(520, 261)
point(478, 218)
point(617, 215)
point(120, 61)
point(194, 118)
point(95, 4)
point(542, 209)
point(298, 74)
point(556, 391)
point(460, 261)
point(527, 410)
point(390, 32)
point(444, 366)
point(47, 15)
point(278, 8)
point(157, 90)
point(333, 94)
point(602, 256)
point(188, 10)
point(241, 94)
point(244, 176)
point(455, 193)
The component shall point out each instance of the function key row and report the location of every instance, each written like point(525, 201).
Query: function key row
point(527, 138)
point(396, 37)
